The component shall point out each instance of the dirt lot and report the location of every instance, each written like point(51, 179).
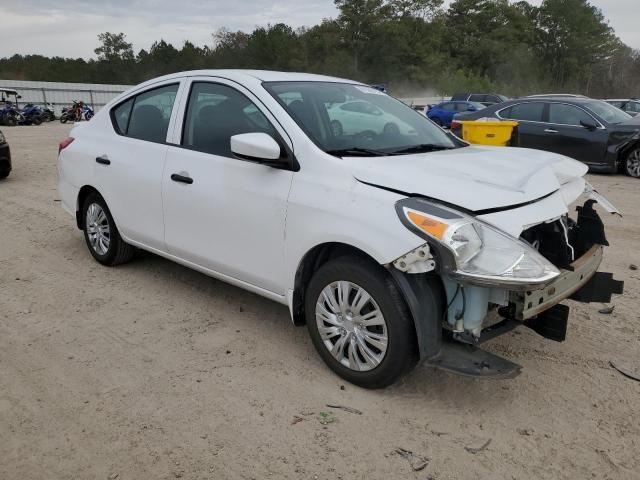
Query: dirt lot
point(154, 371)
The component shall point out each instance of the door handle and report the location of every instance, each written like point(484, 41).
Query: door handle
point(550, 130)
point(176, 177)
point(103, 160)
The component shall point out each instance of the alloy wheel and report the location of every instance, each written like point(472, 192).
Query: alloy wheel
point(351, 326)
point(633, 163)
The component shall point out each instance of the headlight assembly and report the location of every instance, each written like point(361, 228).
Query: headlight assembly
point(476, 250)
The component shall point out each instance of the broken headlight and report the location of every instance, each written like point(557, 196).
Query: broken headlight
point(480, 252)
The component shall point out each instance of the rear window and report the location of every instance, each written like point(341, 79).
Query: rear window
point(146, 116)
point(121, 116)
point(528, 112)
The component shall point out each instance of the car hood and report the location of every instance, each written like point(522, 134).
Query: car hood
point(476, 178)
point(629, 125)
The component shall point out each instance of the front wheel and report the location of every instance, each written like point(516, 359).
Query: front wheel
point(359, 322)
point(101, 234)
point(632, 163)
point(64, 118)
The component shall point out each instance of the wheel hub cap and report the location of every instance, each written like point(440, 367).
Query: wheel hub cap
point(633, 163)
point(98, 230)
point(351, 326)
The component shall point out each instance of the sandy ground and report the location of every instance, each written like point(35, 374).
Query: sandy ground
point(154, 371)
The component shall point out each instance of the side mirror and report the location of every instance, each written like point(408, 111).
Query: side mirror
point(257, 147)
point(589, 125)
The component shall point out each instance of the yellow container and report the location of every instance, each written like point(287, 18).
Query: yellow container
point(488, 133)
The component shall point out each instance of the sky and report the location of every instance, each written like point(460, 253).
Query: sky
point(69, 28)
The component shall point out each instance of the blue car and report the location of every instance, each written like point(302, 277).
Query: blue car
point(443, 113)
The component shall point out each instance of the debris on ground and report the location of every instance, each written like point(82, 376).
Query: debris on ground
point(416, 461)
point(525, 431)
point(633, 267)
point(296, 419)
point(607, 310)
point(479, 449)
point(346, 409)
point(632, 375)
point(326, 418)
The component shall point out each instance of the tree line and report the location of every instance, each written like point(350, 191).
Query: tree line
point(415, 47)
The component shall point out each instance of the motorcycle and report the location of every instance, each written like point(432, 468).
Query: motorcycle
point(10, 115)
point(32, 114)
point(76, 112)
point(87, 111)
point(48, 114)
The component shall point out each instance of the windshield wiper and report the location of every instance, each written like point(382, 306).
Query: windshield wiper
point(423, 147)
point(357, 151)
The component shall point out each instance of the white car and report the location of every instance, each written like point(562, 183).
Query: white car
point(393, 248)
point(363, 118)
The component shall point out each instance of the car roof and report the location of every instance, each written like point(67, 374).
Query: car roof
point(621, 100)
point(555, 98)
point(262, 75)
point(556, 95)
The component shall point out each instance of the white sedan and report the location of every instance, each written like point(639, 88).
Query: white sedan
point(392, 246)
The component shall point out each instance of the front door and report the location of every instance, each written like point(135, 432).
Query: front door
point(223, 213)
point(567, 135)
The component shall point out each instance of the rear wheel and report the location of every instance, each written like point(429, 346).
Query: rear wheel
point(632, 163)
point(359, 322)
point(101, 234)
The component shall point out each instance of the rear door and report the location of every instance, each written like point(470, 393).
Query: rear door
point(566, 134)
point(129, 161)
point(531, 129)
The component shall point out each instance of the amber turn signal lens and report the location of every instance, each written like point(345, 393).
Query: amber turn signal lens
point(429, 225)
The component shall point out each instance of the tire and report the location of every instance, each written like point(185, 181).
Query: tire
point(400, 353)
point(4, 174)
point(63, 118)
point(110, 249)
point(37, 120)
point(10, 121)
point(632, 163)
point(336, 128)
point(88, 116)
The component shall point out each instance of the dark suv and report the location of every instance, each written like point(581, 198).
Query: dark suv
point(592, 131)
point(487, 99)
point(5, 157)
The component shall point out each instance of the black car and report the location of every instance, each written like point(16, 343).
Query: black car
point(487, 99)
point(5, 157)
point(592, 131)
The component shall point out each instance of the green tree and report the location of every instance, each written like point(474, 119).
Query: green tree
point(114, 47)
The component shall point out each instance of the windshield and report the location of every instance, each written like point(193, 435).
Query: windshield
point(345, 119)
point(607, 112)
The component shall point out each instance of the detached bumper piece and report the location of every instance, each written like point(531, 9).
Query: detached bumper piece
point(599, 289)
point(472, 361)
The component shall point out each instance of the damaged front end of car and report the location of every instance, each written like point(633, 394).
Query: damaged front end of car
point(494, 281)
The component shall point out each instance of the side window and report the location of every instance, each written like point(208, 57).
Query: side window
point(462, 107)
point(477, 98)
point(146, 116)
point(449, 107)
point(151, 114)
point(531, 112)
point(633, 107)
point(562, 114)
point(121, 116)
point(215, 113)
